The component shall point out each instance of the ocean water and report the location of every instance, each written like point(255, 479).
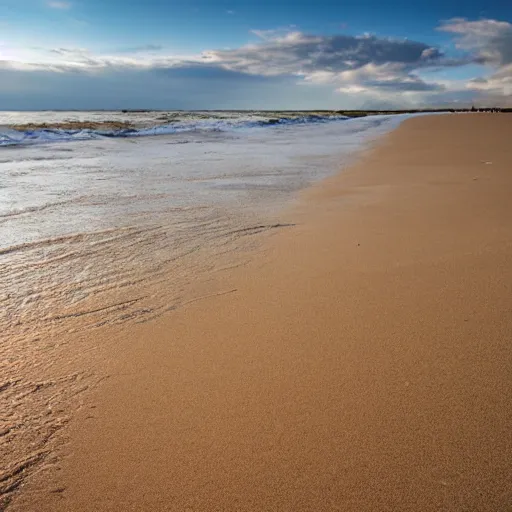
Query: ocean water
point(116, 223)
point(47, 126)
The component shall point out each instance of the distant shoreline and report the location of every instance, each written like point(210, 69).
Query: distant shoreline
point(348, 113)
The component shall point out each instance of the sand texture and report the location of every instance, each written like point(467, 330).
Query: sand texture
point(361, 362)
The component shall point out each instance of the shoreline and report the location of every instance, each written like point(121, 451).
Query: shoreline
point(342, 369)
point(64, 283)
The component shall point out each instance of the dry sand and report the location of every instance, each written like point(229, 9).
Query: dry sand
point(362, 361)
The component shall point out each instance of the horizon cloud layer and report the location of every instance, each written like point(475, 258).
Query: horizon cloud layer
point(343, 70)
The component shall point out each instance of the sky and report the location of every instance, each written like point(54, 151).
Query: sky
point(248, 54)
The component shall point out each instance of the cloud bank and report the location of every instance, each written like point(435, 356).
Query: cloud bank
point(359, 70)
point(490, 43)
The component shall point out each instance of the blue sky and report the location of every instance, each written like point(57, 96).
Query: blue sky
point(112, 54)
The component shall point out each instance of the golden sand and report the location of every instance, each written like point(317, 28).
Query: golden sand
point(362, 362)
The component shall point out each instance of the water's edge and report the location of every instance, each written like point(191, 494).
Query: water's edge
point(167, 234)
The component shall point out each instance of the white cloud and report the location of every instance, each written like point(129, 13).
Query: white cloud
point(497, 84)
point(59, 4)
point(489, 41)
point(371, 77)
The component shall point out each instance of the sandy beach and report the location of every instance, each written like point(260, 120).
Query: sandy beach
point(360, 362)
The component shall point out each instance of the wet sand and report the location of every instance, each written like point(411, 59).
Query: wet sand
point(362, 361)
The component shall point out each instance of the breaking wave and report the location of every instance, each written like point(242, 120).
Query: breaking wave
point(47, 134)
